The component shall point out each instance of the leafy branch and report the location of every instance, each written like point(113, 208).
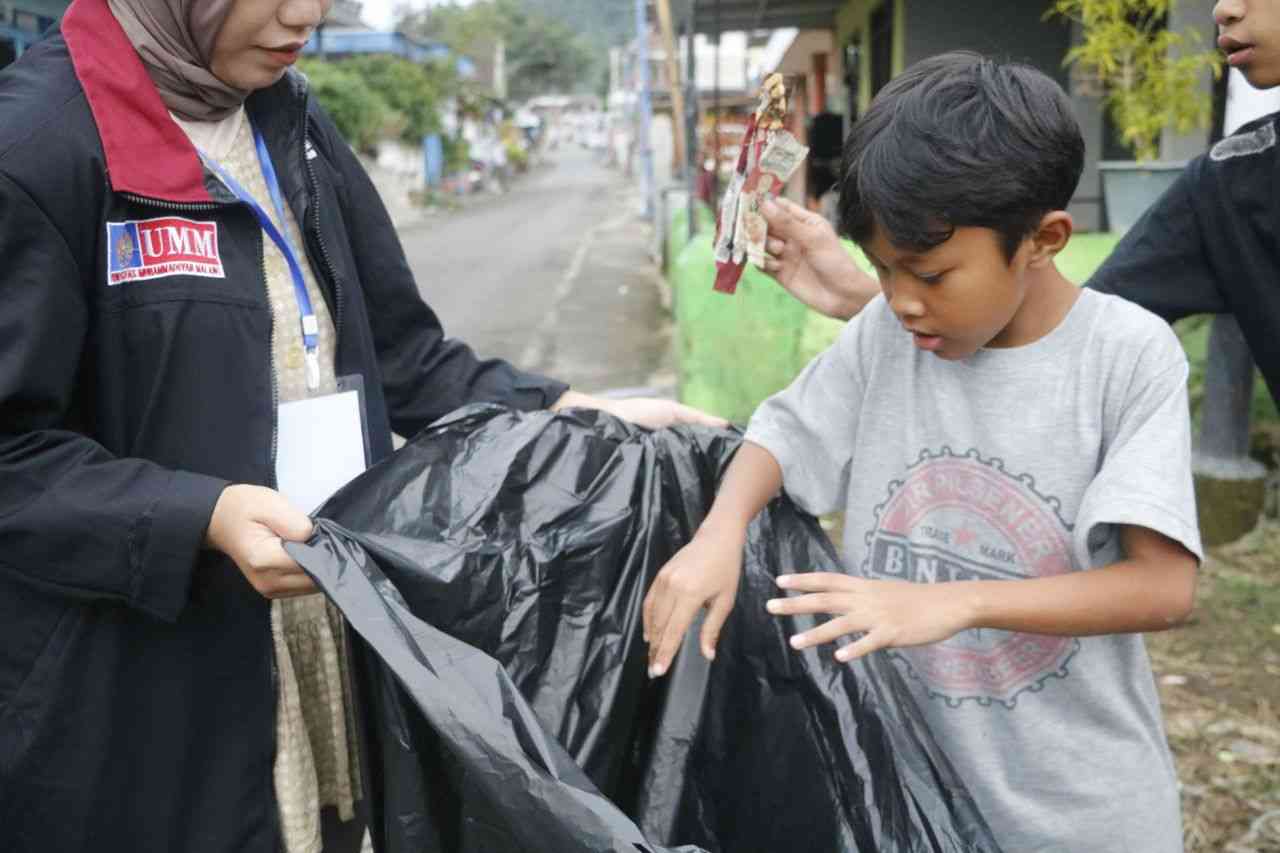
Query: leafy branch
point(1148, 76)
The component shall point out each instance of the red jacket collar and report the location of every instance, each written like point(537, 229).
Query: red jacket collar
point(147, 153)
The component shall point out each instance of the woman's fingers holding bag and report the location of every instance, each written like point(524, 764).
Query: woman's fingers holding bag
point(250, 524)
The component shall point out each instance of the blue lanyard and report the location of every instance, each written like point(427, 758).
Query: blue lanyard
point(307, 316)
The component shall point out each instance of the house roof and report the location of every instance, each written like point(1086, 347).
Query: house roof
point(343, 41)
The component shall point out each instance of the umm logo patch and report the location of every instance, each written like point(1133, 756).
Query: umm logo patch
point(156, 248)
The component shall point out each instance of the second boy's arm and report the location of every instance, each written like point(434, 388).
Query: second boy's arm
point(817, 415)
point(1152, 589)
point(1166, 262)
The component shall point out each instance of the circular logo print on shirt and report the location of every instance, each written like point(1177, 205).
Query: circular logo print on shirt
point(962, 518)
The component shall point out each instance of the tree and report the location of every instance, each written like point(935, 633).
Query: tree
point(546, 56)
point(601, 23)
point(543, 54)
point(1150, 78)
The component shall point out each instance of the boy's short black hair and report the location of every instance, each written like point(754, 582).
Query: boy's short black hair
point(960, 140)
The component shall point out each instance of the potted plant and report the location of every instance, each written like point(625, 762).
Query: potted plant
point(1149, 78)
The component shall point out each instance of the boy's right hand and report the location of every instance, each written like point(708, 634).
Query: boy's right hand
point(703, 573)
point(250, 524)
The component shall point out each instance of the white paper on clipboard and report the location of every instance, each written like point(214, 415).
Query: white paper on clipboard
point(321, 447)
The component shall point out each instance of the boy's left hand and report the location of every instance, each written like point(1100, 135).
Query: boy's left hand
point(889, 614)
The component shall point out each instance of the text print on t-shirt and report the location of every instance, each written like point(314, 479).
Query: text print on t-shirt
point(960, 518)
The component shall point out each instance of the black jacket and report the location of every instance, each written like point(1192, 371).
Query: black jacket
point(137, 690)
point(1211, 244)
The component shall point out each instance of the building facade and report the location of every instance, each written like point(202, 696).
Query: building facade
point(879, 38)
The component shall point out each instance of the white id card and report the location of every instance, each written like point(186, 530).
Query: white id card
point(321, 445)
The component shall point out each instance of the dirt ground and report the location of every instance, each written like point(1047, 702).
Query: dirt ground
point(1219, 679)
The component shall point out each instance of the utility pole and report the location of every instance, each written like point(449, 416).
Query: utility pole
point(692, 148)
point(1230, 485)
point(643, 145)
point(500, 69)
point(673, 80)
point(715, 109)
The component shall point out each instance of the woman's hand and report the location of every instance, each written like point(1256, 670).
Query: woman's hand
point(889, 614)
point(250, 525)
point(703, 573)
point(648, 412)
point(807, 258)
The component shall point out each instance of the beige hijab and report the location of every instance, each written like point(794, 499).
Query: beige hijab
point(175, 40)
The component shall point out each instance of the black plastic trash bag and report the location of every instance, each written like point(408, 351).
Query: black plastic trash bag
point(494, 570)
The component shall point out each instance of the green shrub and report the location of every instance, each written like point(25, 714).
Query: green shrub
point(457, 154)
point(412, 90)
point(733, 350)
point(359, 112)
point(517, 157)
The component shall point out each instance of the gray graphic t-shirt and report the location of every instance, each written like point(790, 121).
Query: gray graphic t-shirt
point(1014, 463)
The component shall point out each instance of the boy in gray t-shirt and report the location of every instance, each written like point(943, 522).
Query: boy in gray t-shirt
point(1012, 457)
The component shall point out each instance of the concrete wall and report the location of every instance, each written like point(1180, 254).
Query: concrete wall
point(1087, 206)
point(662, 142)
point(1015, 30)
point(1009, 29)
point(1195, 16)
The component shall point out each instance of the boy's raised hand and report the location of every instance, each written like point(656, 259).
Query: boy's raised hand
point(807, 258)
point(704, 573)
point(889, 614)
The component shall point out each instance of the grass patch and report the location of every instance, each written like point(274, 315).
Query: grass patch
point(1219, 679)
point(1084, 254)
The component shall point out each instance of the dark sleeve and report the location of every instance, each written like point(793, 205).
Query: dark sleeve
point(1163, 263)
point(424, 373)
point(74, 519)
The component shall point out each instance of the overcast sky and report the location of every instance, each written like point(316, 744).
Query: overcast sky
point(381, 14)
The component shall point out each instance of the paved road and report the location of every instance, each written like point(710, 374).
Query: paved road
point(554, 276)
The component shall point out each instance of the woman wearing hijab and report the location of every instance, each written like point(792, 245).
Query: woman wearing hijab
point(186, 247)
